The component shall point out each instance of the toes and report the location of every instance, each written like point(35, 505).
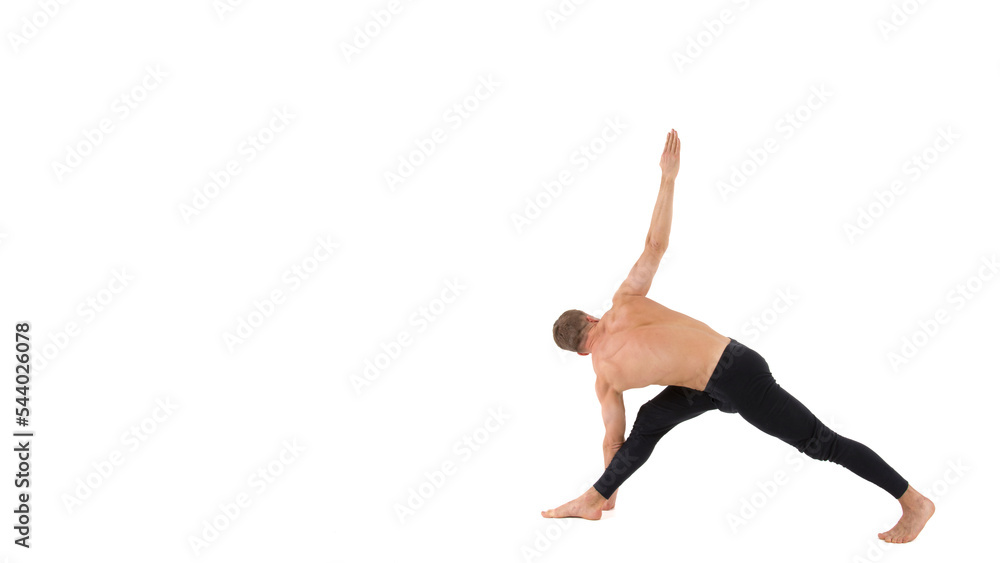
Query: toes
point(892, 536)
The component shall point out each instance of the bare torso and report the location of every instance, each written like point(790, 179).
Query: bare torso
point(644, 343)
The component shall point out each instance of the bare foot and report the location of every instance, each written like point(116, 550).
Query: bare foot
point(610, 503)
point(917, 510)
point(588, 506)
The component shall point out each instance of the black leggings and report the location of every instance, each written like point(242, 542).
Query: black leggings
point(742, 383)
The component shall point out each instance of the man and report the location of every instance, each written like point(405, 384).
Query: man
point(639, 342)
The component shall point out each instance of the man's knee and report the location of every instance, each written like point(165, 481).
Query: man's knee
point(647, 420)
point(655, 420)
point(821, 444)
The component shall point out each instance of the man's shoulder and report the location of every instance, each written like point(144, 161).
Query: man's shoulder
point(604, 385)
point(624, 303)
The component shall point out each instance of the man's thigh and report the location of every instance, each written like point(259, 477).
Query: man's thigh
point(672, 406)
point(778, 413)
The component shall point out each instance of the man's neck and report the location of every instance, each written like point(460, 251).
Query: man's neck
point(592, 336)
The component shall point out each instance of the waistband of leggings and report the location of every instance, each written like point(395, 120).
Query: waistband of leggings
point(727, 359)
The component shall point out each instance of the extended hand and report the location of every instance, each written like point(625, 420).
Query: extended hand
point(670, 160)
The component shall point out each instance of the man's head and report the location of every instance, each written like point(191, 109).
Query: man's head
point(570, 331)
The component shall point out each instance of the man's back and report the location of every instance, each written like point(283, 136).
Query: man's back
point(644, 343)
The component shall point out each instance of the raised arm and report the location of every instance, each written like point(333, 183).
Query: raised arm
point(640, 278)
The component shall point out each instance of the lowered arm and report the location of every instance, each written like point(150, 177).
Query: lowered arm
point(613, 413)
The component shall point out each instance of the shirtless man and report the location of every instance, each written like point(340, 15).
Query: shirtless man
point(640, 342)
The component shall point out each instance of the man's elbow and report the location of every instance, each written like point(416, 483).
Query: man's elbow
point(657, 246)
point(614, 442)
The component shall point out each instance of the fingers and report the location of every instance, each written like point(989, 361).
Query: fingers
point(673, 144)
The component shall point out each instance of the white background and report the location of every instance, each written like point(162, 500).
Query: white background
point(366, 449)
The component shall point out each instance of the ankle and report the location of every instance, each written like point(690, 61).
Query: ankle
point(593, 498)
point(911, 498)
